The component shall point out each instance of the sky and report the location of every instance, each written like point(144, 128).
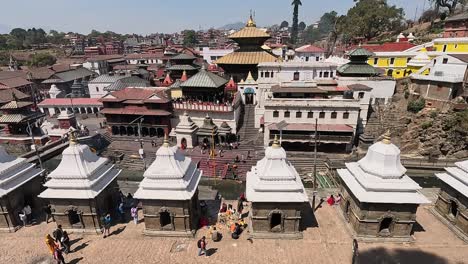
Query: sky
point(151, 16)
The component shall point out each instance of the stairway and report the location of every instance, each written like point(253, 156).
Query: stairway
point(251, 139)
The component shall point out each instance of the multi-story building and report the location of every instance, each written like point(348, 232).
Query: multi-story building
point(211, 55)
point(102, 64)
point(309, 53)
point(456, 26)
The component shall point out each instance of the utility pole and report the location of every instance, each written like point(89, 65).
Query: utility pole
point(35, 147)
point(141, 151)
point(315, 167)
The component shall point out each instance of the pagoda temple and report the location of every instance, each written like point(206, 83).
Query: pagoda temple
point(277, 195)
point(379, 200)
point(182, 63)
point(20, 183)
point(250, 53)
point(208, 131)
point(82, 189)
point(205, 86)
point(452, 202)
point(169, 194)
point(358, 66)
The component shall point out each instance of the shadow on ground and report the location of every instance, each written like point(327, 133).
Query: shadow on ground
point(308, 217)
point(398, 256)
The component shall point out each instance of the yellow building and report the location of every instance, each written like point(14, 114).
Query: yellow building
point(451, 45)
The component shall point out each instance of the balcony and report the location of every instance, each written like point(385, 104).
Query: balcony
point(202, 107)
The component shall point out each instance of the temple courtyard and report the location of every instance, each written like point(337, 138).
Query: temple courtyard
point(330, 242)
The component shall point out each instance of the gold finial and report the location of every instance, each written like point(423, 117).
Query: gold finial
point(249, 77)
point(73, 139)
point(166, 141)
point(276, 143)
point(386, 138)
point(251, 22)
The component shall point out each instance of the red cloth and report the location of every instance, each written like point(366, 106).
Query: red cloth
point(331, 201)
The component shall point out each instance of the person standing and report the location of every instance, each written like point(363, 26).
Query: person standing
point(65, 242)
point(48, 213)
point(134, 213)
point(202, 246)
point(107, 225)
point(58, 256)
point(28, 212)
point(58, 234)
point(50, 244)
point(23, 218)
point(122, 212)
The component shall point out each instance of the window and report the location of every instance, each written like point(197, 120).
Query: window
point(275, 114)
point(325, 74)
point(287, 114)
point(296, 76)
point(267, 74)
point(310, 115)
point(456, 45)
point(306, 58)
point(261, 74)
point(213, 58)
point(346, 115)
point(271, 74)
point(331, 74)
point(298, 114)
point(97, 89)
point(333, 115)
point(317, 58)
point(444, 61)
point(392, 61)
point(320, 75)
point(376, 60)
point(408, 60)
point(361, 95)
point(322, 114)
point(445, 48)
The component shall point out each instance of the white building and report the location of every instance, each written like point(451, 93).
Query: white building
point(212, 55)
point(309, 53)
point(145, 58)
point(101, 64)
point(96, 86)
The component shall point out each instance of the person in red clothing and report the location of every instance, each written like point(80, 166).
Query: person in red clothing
point(331, 200)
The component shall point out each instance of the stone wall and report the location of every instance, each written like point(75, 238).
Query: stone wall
point(291, 217)
point(443, 206)
point(366, 218)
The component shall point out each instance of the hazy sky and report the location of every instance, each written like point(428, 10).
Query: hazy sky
point(148, 16)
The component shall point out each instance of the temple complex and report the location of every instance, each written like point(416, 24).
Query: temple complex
point(205, 86)
point(82, 189)
point(250, 53)
point(378, 199)
point(20, 183)
point(277, 195)
point(127, 109)
point(182, 63)
point(169, 194)
point(452, 202)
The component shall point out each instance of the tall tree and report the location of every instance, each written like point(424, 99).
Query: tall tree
point(295, 25)
point(190, 38)
point(302, 26)
point(370, 18)
point(284, 24)
point(449, 4)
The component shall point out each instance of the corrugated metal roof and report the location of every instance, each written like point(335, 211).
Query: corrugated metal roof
point(358, 69)
point(107, 78)
point(205, 79)
point(15, 82)
point(247, 57)
point(182, 67)
point(71, 75)
point(183, 56)
point(176, 84)
point(250, 32)
point(17, 118)
point(132, 81)
point(361, 52)
point(462, 16)
point(7, 95)
point(16, 105)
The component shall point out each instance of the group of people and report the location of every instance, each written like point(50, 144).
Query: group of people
point(58, 244)
point(332, 200)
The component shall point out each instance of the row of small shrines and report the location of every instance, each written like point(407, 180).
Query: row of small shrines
point(378, 198)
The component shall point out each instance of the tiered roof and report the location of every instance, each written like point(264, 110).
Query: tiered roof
point(204, 79)
point(186, 125)
point(172, 176)
point(420, 60)
point(224, 129)
point(14, 172)
point(208, 128)
point(274, 179)
point(456, 177)
point(81, 174)
point(358, 65)
point(379, 177)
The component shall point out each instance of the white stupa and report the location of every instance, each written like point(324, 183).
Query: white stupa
point(81, 174)
point(54, 91)
point(14, 172)
point(420, 60)
point(456, 177)
point(274, 179)
point(379, 177)
point(186, 129)
point(172, 176)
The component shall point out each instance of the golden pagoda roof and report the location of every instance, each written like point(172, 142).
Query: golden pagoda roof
point(247, 57)
point(250, 32)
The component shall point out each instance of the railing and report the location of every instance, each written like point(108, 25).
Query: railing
point(203, 107)
point(406, 162)
point(321, 138)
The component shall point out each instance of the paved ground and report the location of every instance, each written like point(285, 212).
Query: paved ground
point(330, 242)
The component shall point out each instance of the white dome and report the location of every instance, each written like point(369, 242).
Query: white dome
point(383, 160)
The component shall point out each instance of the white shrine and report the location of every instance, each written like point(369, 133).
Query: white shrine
point(379, 199)
point(169, 194)
point(186, 132)
point(277, 195)
point(20, 183)
point(82, 188)
point(452, 202)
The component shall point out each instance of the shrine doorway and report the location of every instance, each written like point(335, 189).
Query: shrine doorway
point(347, 210)
point(165, 219)
point(183, 143)
point(453, 209)
point(144, 131)
point(160, 132)
point(152, 132)
point(276, 222)
point(74, 218)
point(385, 225)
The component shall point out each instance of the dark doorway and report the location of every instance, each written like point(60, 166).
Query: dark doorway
point(385, 225)
point(275, 222)
point(165, 220)
point(74, 218)
point(249, 99)
point(183, 143)
point(160, 132)
point(453, 208)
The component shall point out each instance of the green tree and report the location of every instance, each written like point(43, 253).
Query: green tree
point(190, 38)
point(327, 22)
point(311, 34)
point(295, 25)
point(284, 24)
point(369, 18)
point(449, 4)
point(302, 26)
point(42, 59)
